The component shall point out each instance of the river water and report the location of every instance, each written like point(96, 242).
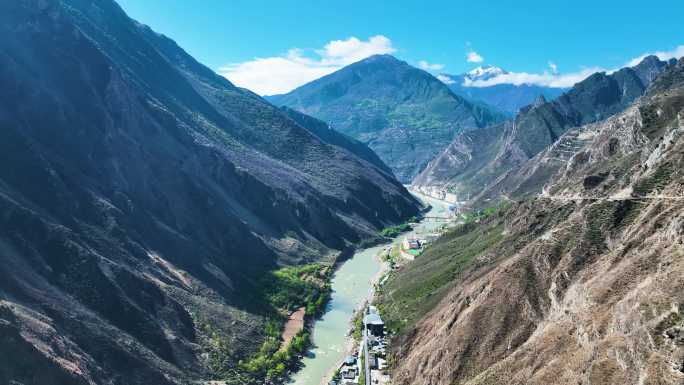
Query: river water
point(352, 284)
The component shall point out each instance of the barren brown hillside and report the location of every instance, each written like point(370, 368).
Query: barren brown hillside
point(586, 284)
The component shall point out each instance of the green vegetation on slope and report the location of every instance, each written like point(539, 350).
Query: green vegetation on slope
point(283, 291)
point(393, 231)
point(404, 114)
point(290, 288)
point(606, 217)
point(272, 361)
point(413, 291)
point(483, 214)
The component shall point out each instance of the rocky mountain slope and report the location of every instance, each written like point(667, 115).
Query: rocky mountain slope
point(581, 285)
point(509, 98)
point(477, 161)
point(404, 114)
point(323, 131)
point(144, 196)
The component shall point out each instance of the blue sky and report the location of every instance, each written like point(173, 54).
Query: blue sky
point(273, 46)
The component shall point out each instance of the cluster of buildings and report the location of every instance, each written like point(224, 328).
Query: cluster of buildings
point(375, 345)
point(371, 360)
point(373, 352)
point(349, 372)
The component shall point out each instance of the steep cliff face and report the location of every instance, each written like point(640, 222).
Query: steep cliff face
point(142, 196)
point(582, 285)
point(535, 128)
point(404, 114)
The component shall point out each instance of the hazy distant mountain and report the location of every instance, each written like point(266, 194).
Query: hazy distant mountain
point(508, 98)
point(404, 114)
point(143, 198)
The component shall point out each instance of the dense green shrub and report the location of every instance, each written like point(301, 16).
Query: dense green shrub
point(290, 288)
point(413, 291)
point(283, 291)
point(393, 231)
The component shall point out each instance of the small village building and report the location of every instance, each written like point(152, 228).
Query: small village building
point(372, 361)
point(411, 244)
point(350, 361)
point(382, 363)
point(349, 372)
point(374, 324)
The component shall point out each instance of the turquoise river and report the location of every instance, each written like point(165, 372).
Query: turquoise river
point(352, 285)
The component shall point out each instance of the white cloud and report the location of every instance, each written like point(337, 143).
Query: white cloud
point(445, 79)
point(430, 67)
point(554, 67)
point(474, 57)
point(544, 79)
point(556, 79)
point(280, 74)
point(662, 55)
point(343, 52)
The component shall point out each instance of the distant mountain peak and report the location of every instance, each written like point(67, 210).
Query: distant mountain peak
point(480, 73)
point(649, 68)
point(650, 60)
point(484, 72)
point(371, 99)
point(385, 58)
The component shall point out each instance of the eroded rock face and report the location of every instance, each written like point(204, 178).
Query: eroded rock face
point(587, 284)
point(142, 196)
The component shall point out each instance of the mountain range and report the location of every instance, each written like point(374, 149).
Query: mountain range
point(508, 98)
point(477, 163)
point(160, 225)
point(404, 114)
point(144, 197)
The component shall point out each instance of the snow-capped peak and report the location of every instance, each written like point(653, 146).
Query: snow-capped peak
point(484, 72)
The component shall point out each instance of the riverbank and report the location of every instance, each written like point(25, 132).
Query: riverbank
point(352, 343)
point(353, 287)
point(351, 284)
